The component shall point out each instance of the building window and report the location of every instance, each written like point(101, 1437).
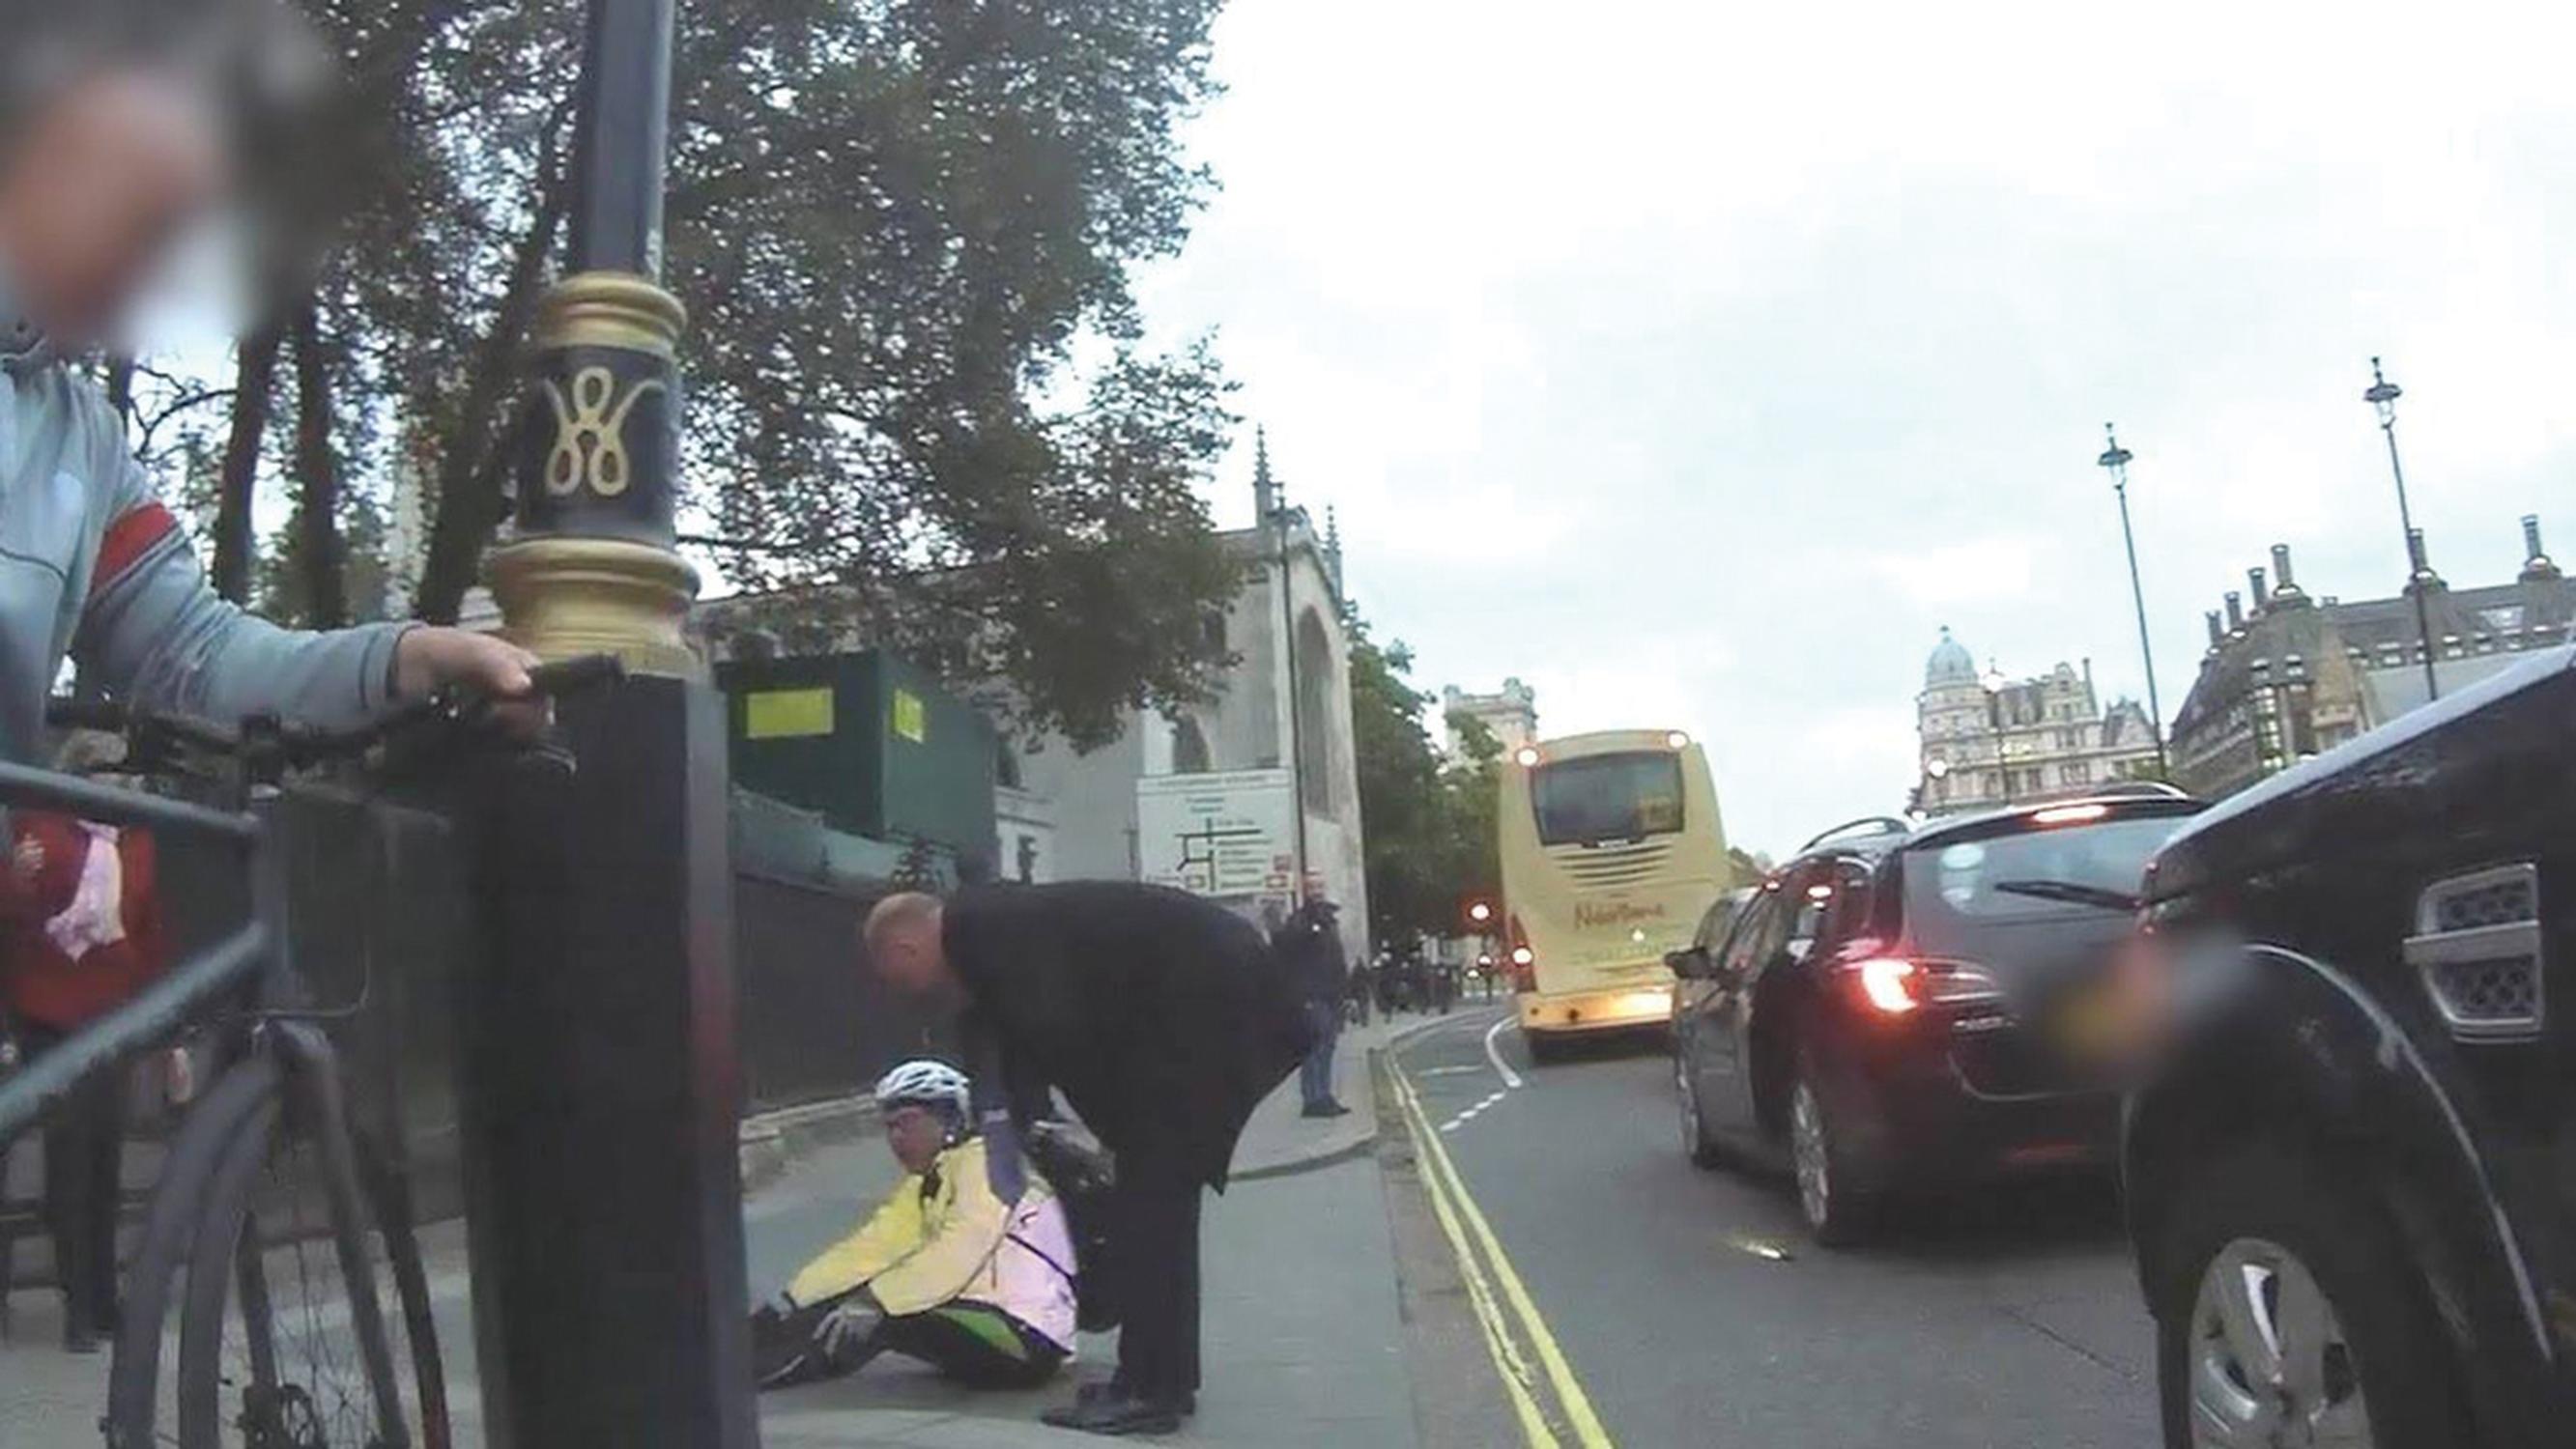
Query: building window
point(1006, 765)
point(1314, 660)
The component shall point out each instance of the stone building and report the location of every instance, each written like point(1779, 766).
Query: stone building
point(1510, 712)
point(2291, 675)
point(1988, 741)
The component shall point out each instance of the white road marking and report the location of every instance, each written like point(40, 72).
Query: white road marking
point(1460, 1069)
point(1494, 1054)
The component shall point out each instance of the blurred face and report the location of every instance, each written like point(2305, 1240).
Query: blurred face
point(95, 191)
point(916, 1134)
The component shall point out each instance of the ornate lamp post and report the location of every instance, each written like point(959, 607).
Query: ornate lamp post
point(2382, 397)
point(2115, 460)
point(600, 1068)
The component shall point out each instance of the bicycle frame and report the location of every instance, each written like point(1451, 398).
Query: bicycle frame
point(185, 993)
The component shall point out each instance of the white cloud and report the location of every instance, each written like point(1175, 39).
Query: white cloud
point(1696, 363)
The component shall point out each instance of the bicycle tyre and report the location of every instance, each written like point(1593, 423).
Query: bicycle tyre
point(290, 1408)
point(169, 1235)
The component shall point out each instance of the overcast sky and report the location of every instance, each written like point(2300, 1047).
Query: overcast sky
point(1697, 362)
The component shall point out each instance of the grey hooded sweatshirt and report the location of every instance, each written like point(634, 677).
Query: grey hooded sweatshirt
point(94, 567)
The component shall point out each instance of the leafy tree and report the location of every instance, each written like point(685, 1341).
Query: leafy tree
point(1428, 821)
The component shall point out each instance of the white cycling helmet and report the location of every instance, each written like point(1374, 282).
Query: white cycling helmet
point(924, 1082)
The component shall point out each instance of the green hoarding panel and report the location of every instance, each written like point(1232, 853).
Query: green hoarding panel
point(873, 743)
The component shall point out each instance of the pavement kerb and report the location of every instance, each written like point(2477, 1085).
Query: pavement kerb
point(771, 1140)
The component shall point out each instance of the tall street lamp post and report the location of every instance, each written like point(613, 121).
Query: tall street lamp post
point(2383, 396)
point(2115, 460)
point(599, 1064)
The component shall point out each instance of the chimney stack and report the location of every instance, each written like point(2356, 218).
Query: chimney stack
point(2235, 612)
point(2536, 563)
point(2254, 577)
point(2217, 635)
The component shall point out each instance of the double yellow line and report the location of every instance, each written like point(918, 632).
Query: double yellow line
point(1482, 1264)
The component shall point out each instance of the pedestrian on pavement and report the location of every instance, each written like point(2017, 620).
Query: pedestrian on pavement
point(1363, 992)
point(943, 1271)
point(83, 934)
point(1163, 1019)
point(1309, 944)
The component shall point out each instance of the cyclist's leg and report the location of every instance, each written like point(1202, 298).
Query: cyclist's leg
point(787, 1349)
point(975, 1344)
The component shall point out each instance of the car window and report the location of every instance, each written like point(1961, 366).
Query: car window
point(1846, 911)
point(1961, 878)
point(1755, 935)
point(1713, 925)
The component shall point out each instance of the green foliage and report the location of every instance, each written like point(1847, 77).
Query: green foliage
point(1428, 821)
point(904, 231)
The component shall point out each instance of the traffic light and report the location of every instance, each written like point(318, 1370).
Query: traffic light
point(1478, 914)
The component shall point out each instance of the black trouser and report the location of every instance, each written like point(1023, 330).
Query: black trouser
point(977, 1345)
point(1157, 1260)
point(84, 1153)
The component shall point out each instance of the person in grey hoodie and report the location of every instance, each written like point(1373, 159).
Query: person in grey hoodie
point(119, 135)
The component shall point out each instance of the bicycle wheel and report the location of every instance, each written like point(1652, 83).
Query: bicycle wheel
point(136, 1387)
point(274, 1343)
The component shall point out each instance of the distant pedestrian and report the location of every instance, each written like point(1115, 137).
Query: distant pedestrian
point(83, 935)
point(1309, 946)
point(1163, 1020)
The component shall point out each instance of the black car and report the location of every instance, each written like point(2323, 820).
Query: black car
point(1902, 1006)
point(2352, 1190)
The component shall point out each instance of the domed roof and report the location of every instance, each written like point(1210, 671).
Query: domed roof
point(1950, 662)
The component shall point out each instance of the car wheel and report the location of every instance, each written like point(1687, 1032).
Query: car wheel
point(1543, 1048)
point(1695, 1139)
point(2285, 1314)
point(1837, 1210)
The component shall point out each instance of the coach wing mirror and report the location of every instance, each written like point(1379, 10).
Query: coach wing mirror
point(1691, 963)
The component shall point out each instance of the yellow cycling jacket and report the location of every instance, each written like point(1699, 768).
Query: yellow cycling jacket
point(957, 1242)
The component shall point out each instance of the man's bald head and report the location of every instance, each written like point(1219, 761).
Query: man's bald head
point(902, 937)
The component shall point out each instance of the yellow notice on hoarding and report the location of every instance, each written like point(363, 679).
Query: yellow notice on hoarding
point(910, 720)
point(786, 714)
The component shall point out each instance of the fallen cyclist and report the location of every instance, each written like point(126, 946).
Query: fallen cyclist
point(944, 1271)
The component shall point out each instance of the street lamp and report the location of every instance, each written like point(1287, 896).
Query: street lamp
point(2382, 397)
point(600, 1082)
point(2115, 460)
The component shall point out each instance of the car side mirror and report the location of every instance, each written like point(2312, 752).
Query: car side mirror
point(1690, 963)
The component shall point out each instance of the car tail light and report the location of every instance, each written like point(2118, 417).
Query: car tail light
point(1895, 985)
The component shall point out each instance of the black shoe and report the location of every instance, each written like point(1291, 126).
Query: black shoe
point(1118, 1414)
point(1325, 1109)
point(1102, 1388)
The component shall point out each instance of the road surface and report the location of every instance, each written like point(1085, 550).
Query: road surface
point(1691, 1309)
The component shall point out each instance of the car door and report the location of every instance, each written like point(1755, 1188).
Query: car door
point(1726, 1093)
point(1695, 985)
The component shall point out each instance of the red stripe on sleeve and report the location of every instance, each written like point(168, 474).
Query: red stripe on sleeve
point(134, 531)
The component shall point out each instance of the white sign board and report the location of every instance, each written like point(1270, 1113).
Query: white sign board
point(1232, 833)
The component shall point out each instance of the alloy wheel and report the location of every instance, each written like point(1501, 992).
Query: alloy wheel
point(1811, 1154)
point(2269, 1363)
